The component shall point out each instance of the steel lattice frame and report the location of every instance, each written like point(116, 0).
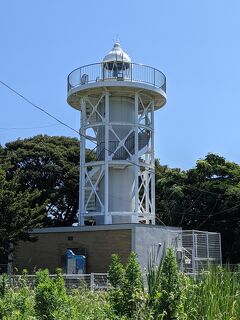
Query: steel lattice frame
point(91, 173)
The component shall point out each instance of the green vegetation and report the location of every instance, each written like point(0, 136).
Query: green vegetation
point(50, 301)
point(19, 211)
point(206, 197)
point(49, 165)
point(43, 172)
point(169, 295)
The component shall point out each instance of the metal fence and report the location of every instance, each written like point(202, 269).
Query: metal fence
point(92, 281)
point(100, 72)
point(201, 249)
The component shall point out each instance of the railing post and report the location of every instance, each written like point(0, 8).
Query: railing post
point(92, 281)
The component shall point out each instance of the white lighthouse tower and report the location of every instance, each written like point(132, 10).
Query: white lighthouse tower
point(117, 99)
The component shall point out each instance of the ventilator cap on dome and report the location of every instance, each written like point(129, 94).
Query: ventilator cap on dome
point(117, 54)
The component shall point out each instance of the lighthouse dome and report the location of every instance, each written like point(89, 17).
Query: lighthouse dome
point(117, 54)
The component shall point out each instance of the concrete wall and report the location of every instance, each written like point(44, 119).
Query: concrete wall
point(154, 238)
point(121, 179)
point(98, 242)
point(49, 250)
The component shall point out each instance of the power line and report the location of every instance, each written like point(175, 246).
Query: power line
point(82, 135)
point(28, 128)
point(237, 204)
point(225, 210)
point(210, 214)
point(205, 191)
point(64, 124)
point(37, 107)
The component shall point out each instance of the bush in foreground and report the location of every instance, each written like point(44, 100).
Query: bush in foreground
point(168, 295)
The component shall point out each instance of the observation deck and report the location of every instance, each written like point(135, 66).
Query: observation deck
point(116, 76)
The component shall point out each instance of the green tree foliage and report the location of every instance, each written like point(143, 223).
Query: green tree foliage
point(116, 278)
point(206, 197)
point(165, 288)
point(50, 295)
point(49, 300)
point(49, 165)
point(132, 286)
point(216, 296)
point(126, 293)
point(16, 304)
point(170, 300)
point(20, 211)
point(116, 272)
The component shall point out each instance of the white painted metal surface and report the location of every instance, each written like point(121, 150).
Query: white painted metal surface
point(117, 54)
point(93, 281)
point(200, 250)
point(117, 100)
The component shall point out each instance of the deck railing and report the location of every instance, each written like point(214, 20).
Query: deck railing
point(131, 72)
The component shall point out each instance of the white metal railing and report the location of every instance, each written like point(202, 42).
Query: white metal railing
point(93, 281)
point(132, 72)
point(201, 249)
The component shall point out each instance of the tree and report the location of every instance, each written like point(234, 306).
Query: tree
point(206, 197)
point(126, 292)
point(116, 278)
point(132, 286)
point(171, 289)
point(20, 212)
point(51, 166)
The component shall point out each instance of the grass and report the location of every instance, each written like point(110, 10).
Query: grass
point(169, 295)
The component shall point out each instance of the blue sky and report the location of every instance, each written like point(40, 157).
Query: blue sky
point(195, 43)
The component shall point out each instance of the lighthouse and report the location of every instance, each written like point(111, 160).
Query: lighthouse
point(117, 99)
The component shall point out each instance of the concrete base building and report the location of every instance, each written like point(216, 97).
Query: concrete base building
point(97, 243)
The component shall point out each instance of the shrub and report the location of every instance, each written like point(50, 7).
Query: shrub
point(126, 292)
point(16, 303)
point(165, 285)
point(116, 278)
point(50, 295)
point(132, 286)
point(171, 289)
point(3, 285)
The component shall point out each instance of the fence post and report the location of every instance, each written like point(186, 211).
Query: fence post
point(92, 281)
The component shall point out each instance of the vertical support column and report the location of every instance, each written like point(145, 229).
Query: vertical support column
point(220, 248)
point(82, 164)
point(152, 165)
point(193, 253)
point(92, 281)
point(136, 168)
point(107, 217)
point(147, 175)
point(208, 250)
